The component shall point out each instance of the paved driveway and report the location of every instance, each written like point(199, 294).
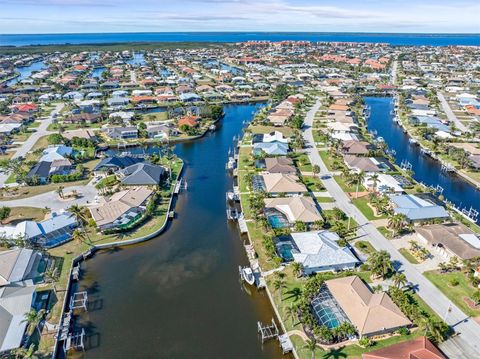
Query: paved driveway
point(469, 338)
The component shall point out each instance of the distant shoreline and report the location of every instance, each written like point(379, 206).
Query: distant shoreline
point(211, 38)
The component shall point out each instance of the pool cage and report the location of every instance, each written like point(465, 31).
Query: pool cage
point(326, 309)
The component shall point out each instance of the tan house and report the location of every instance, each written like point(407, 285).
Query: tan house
point(276, 183)
point(450, 240)
point(121, 209)
point(301, 209)
point(280, 164)
point(371, 313)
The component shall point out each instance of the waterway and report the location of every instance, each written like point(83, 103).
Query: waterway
point(426, 169)
point(92, 38)
point(26, 71)
point(179, 295)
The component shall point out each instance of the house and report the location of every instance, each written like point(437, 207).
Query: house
point(356, 147)
point(190, 121)
point(83, 118)
point(292, 209)
point(383, 183)
point(418, 348)
point(417, 209)
point(280, 165)
point(142, 174)
point(17, 265)
point(15, 302)
point(116, 133)
point(115, 163)
point(270, 148)
point(279, 183)
point(317, 251)
point(48, 233)
point(359, 164)
point(371, 313)
point(160, 131)
point(59, 152)
point(40, 171)
point(450, 240)
point(122, 209)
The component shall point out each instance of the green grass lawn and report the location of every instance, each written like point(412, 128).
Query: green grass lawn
point(455, 293)
point(313, 183)
point(345, 187)
point(302, 162)
point(408, 256)
point(327, 159)
point(325, 199)
point(25, 213)
point(287, 131)
point(385, 231)
point(363, 205)
point(365, 247)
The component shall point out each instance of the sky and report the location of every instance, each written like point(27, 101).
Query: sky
point(80, 16)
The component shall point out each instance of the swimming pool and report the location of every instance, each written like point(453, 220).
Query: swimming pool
point(285, 251)
point(277, 220)
point(326, 309)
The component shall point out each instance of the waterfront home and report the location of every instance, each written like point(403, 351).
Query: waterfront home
point(356, 148)
point(372, 314)
point(280, 164)
point(160, 130)
point(142, 174)
point(450, 240)
point(416, 208)
point(15, 302)
point(317, 251)
point(48, 233)
point(190, 121)
point(121, 133)
point(278, 183)
point(359, 164)
point(122, 209)
point(82, 118)
point(418, 348)
point(18, 265)
point(275, 136)
point(270, 148)
point(115, 163)
point(284, 212)
point(58, 152)
point(430, 122)
point(383, 183)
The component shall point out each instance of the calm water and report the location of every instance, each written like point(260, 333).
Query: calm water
point(26, 71)
point(179, 296)
point(425, 168)
point(394, 39)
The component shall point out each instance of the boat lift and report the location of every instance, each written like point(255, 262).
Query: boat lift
point(405, 165)
point(268, 331)
point(75, 341)
point(79, 300)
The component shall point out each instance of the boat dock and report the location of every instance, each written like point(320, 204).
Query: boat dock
point(242, 224)
point(268, 331)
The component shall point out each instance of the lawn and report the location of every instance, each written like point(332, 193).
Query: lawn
point(287, 131)
point(313, 183)
point(408, 256)
point(25, 213)
point(29, 191)
point(345, 187)
point(363, 205)
point(385, 231)
point(365, 247)
point(455, 293)
point(302, 162)
point(327, 159)
point(325, 199)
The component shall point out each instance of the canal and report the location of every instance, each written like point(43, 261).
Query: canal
point(179, 295)
point(426, 169)
point(26, 71)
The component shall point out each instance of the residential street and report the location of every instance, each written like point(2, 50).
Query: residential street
point(450, 115)
point(34, 137)
point(468, 339)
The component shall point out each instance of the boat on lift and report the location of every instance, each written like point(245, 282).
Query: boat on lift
point(246, 273)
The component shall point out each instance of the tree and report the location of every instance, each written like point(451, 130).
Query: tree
point(55, 139)
point(380, 264)
point(24, 353)
point(311, 344)
point(476, 297)
point(78, 236)
point(291, 313)
point(33, 319)
point(4, 213)
point(59, 191)
point(316, 169)
point(78, 212)
point(297, 269)
point(279, 285)
point(396, 223)
point(434, 330)
point(216, 112)
point(325, 334)
point(399, 279)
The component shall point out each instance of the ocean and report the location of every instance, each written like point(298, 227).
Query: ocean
point(95, 38)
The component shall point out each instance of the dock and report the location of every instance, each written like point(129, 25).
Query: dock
point(76, 272)
point(242, 223)
point(285, 343)
point(268, 331)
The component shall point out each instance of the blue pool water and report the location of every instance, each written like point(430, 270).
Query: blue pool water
point(285, 251)
point(277, 221)
point(328, 318)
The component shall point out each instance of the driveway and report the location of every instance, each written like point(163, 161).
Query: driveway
point(469, 338)
point(53, 201)
point(34, 137)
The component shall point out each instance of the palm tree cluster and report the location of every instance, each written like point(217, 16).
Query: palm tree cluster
point(418, 251)
point(380, 264)
point(397, 223)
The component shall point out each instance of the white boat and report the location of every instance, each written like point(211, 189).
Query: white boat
point(247, 275)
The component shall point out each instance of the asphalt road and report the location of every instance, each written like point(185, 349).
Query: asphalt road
point(450, 115)
point(464, 345)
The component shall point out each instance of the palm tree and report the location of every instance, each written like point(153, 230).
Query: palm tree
point(33, 319)
point(311, 344)
point(279, 285)
point(24, 353)
point(78, 236)
point(380, 264)
point(396, 223)
point(59, 191)
point(374, 179)
point(297, 269)
point(433, 329)
point(291, 313)
point(78, 212)
point(399, 279)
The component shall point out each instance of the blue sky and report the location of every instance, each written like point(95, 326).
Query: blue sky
point(63, 16)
